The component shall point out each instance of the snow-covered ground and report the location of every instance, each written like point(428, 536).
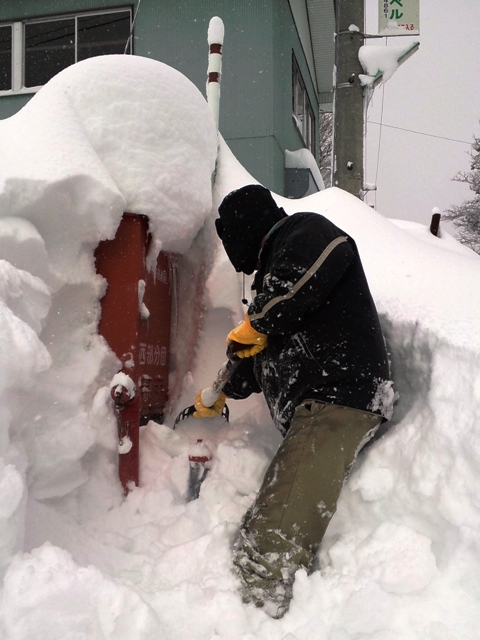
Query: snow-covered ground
point(401, 559)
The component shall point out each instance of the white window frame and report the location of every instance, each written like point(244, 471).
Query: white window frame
point(302, 111)
point(18, 45)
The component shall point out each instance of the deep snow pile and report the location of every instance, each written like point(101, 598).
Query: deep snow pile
point(401, 558)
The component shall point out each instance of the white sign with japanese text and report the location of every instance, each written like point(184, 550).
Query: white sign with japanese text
point(398, 15)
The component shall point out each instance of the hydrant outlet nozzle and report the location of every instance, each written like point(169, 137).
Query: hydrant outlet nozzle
point(119, 394)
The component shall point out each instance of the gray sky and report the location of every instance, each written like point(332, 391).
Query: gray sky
point(436, 92)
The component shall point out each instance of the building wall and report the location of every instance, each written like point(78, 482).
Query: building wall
point(256, 91)
point(286, 41)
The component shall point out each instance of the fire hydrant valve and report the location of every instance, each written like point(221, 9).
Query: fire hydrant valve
point(122, 388)
point(199, 452)
point(125, 445)
point(199, 458)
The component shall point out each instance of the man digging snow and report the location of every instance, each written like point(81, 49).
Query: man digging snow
point(314, 347)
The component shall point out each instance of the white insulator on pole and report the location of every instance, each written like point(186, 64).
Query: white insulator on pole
point(216, 32)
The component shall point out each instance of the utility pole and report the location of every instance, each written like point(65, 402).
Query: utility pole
point(348, 103)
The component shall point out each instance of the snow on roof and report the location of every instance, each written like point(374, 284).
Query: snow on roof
point(303, 159)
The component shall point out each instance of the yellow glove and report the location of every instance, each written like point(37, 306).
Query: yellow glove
point(209, 412)
point(246, 334)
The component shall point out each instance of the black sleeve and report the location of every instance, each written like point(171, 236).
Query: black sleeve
point(304, 271)
point(243, 382)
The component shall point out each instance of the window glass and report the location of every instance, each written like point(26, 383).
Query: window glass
point(49, 48)
point(101, 34)
point(5, 58)
point(302, 109)
point(300, 96)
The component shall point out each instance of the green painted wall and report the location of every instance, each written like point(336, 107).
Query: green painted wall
point(286, 41)
point(256, 100)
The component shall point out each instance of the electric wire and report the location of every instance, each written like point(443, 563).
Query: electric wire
point(420, 133)
point(379, 141)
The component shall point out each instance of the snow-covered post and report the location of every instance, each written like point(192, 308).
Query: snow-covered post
point(216, 32)
point(435, 223)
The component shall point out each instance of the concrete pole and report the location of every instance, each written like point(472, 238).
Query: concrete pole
point(348, 103)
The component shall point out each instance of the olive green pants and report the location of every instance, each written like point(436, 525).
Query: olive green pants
point(285, 525)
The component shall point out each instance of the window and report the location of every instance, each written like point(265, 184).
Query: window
point(5, 58)
point(49, 48)
point(303, 114)
point(33, 51)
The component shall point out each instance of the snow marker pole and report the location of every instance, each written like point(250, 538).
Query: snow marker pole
point(215, 35)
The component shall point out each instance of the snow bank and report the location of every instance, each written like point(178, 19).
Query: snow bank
point(47, 593)
point(410, 287)
point(108, 135)
point(400, 560)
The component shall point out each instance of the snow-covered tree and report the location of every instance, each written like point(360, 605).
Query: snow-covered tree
point(325, 141)
point(466, 217)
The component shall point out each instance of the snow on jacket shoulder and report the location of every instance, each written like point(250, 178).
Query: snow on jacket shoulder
point(324, 337)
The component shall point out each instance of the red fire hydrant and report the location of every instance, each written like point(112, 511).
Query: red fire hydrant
point(135, 322)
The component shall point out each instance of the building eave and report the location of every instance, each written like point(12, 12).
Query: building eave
point(321, 17)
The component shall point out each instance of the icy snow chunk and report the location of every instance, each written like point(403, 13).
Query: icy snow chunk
point(406, 560)
point(142, 307)
point(383, 399)
point(23, 247)
point(372, 482)
point(242, 466)
point(12, 512)
point(47, 591)
point(395, 556)
point(22, 355)
point(11, 490)
point(26, 295)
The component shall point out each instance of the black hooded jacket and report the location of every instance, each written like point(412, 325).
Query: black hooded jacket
point(324, 337)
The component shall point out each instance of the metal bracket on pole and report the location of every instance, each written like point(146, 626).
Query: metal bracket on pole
point(403, 57)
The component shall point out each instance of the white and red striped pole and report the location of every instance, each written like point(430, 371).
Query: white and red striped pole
point(216, 32)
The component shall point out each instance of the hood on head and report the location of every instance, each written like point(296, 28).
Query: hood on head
point(246, 216)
